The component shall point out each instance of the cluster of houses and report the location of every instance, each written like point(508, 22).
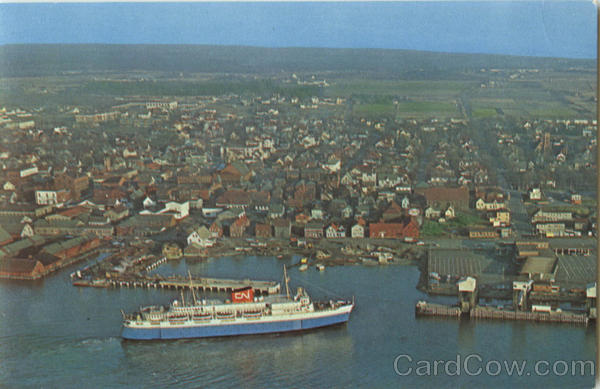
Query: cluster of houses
point(238, 166)
point(551, 153)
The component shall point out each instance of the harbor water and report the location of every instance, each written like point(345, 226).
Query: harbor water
point(55, 335)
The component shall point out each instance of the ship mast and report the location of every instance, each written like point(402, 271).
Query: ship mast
point(285, 279)
point(192, 288)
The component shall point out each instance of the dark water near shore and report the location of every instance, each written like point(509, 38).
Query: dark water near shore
point(56, 335)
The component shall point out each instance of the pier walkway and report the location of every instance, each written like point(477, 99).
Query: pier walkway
point(428, 309)
point(179, 282)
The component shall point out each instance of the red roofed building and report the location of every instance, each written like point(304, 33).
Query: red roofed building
point(411, 229)
point(21, 268)
point(233, 199)
point(386, 230)
point(216, 230)
point(238, 227)
point(394, 230)
point(107, 196)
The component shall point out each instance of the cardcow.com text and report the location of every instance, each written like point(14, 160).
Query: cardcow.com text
point(476, 365)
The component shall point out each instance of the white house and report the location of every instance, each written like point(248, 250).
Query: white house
point(347, 179)
point(335, 231)
point(49, 197)
point(333, 165)
point(27, 231)
point(211, 212)
point(347, 212)
point(181, 210)
point(405, 203)
point(9, 186)
point(316, 213)
point(201, 237)
point(432, 213)
point(357, 231)
point(481, 205)
point(535, 194)
point(449, 213)
point(148, 202)
point(369, 178)
point(45, 197)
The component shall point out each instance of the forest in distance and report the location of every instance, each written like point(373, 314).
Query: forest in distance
point(28, 60)
point(378, 82)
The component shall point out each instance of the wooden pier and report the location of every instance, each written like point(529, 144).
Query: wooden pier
point(549, 317)
point(199, 283)
point(427, 309)
point(490, 313)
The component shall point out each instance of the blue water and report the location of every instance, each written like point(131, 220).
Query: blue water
point(533, 28)
point(56, 335)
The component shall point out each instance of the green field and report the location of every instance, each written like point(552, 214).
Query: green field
point(555, 99)
point(421, 107)
point(405, 109)
point(432, 229)
point(400, 88)
point(484, 112)
point(458, 225)
point(374, 109)
point(552, 112)
point(196, 88)
point(539, 99)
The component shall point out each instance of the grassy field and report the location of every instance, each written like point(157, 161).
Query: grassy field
point(374, 109)
point(407, 109)
point(467, 220)
point(197, 88)
point(427, 109)
point(439, 89)
point(458, 225)
point(479, 113)
point(431, 229)
point(551, 111)
point(542, 98)
point(534, 108)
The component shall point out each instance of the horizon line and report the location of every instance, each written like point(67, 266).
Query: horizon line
point(296, 47)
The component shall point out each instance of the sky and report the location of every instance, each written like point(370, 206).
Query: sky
point(543, 28)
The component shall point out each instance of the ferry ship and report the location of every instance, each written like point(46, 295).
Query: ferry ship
point(245, 314)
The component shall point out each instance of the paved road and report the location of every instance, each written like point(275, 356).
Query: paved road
point(519, 219)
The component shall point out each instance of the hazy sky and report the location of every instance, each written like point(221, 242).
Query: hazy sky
point(538, 28)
